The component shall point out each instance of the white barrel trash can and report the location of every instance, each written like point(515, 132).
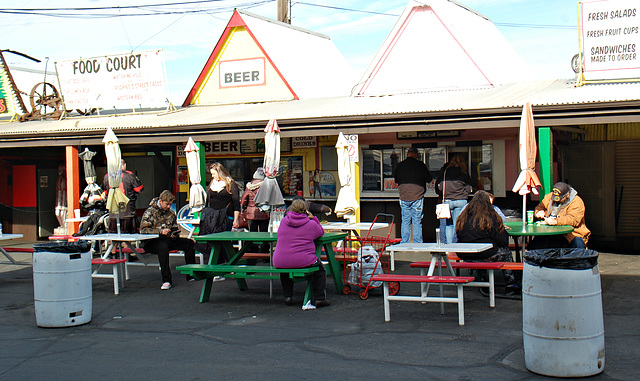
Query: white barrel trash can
point(62, 283)
point(562, 317)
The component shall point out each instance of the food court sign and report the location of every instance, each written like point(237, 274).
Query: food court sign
point(610, 39)
point(129, 80)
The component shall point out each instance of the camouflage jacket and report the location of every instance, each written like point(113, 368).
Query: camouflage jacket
point(155, 219)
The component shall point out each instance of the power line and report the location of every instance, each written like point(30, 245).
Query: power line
point(86, 13)
point(510, 25)
point(345, 9)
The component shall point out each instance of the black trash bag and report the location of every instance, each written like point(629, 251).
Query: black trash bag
point(62, 247)
point(562, 258)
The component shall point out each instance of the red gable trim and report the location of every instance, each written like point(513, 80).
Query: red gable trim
point(235, 21)
point(397, 37)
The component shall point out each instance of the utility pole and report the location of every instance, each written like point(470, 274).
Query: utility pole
point(284, 11)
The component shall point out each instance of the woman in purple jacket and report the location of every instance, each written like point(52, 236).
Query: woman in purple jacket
point(295, 249)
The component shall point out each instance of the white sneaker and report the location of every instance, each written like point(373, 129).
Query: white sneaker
point(218, 278)
point(165, 286)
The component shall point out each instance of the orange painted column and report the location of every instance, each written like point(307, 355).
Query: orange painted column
point(73, 185)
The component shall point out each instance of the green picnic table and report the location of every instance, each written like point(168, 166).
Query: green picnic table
point(223, 242)
point(530, 230)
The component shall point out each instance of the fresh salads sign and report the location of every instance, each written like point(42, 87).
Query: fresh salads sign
point(123, 81)
point(610, 39)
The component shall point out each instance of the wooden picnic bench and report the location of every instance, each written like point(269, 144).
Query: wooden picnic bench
point(116, 271)
point(458, 281)
point(489, 266)
point(242, 272)
point(11, 249)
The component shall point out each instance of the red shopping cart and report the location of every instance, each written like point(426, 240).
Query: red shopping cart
point(368, 258)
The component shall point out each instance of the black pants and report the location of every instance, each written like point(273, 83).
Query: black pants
point(318, 281)
point(259, 226)
point(502, 255)
point(163, 245)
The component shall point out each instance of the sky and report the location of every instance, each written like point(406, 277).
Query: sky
point(543, 32)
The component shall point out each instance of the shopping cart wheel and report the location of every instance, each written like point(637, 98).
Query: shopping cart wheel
point(394, 287)
point(364, 294)
point(346, 289)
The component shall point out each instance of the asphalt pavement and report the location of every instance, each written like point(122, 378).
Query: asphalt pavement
point(148, 334)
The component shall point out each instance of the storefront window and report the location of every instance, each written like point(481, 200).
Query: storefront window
point(290, 176)
point(372, 170)
point(241, 170)
point(378, 166)
point(481, 167)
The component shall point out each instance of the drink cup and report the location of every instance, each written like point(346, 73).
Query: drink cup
point(529, 216)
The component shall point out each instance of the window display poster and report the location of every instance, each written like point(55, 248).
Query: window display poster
point(321, 184)
point(183, 175)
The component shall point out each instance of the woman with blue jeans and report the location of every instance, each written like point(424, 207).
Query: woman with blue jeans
point(456, 185)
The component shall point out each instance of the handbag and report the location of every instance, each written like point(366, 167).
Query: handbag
point(443, 211)
point(242, 220)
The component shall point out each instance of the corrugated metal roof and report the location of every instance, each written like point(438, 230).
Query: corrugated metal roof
point(500, 105)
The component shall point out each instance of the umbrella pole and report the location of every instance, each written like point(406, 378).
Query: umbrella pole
point(524, 212)
point(270, 250)
point(118, 223)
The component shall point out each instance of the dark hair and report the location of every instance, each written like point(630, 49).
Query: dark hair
point(458, 161)
point(478, 213)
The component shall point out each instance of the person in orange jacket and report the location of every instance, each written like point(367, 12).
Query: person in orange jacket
point(562, 206)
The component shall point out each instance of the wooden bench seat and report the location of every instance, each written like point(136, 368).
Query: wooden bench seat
point(266, 256)
point(173, 253)
point(18, 249)
point(116, 271)
point(489, 266)
point(64, 237)
point(242, 272)
point(458, 281)
point(517, 266)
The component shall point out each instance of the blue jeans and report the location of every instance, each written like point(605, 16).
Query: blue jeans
point(456, 207)
point(412, 215)
point(577, 243)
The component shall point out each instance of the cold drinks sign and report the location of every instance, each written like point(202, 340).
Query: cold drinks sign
point(610, 39)
point(129, 80)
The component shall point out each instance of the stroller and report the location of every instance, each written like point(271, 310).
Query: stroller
point(371, 260)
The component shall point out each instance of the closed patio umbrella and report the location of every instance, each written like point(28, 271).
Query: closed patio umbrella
point(346, 204)
point(527, 182)
point(116, 199)
point(269, 194)
point(197, 194)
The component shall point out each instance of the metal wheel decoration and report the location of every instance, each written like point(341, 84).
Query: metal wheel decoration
point(45, 102)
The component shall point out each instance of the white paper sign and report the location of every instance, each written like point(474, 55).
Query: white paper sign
point(610, 39)
point(353, 147)
point(123, 81)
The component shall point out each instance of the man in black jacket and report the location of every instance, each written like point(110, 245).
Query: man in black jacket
point(412, 177)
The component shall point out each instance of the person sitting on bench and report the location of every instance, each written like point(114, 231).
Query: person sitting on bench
point(160, 219)
point(480, 223)
point(295, 249)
